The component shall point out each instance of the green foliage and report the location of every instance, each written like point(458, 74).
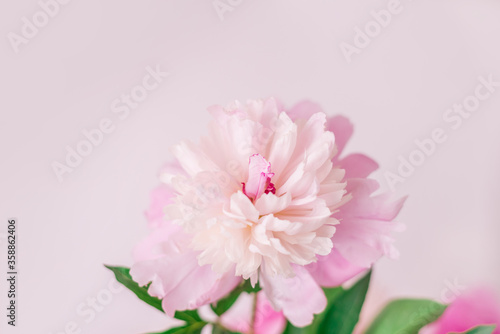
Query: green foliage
point(194, 324)
point(342, 316)
point(342, 312)
point(479, 330)
point(194, 328)
point(221, 306)
point(406, 316)
point(122, 275)
point(403, 316)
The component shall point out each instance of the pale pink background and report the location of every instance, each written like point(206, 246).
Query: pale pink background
point(395, 91)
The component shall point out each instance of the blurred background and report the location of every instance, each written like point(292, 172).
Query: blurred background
point(137, 76)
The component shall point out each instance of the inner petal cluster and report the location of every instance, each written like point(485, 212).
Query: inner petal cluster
point(261, 220)
point(259, 178)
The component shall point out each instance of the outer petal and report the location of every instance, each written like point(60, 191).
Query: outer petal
point(153, 246)
point(165, 260)
point(333, 269)
point(303, 110)
point(267, 320)
point(474, 308)
point(299, 297)
point(181, 282)
point(358, 166)
point(160, 197)
point(365, 230)
point(192, 159)
point(222, 114)
point(342, 128)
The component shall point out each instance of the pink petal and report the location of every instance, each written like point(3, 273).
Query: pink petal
point(357, 165)
point(299, 297)
point(165, 260)
point(161, 196)
point(267, 320)
point(181, 282)
point(303, 110)
point(283, 143)
point(342, 128)
point(152, 247)
point(259, 178)
point(365, 230)
point(333, 269)
point(477, 307)
point(238, 317)
point(269, 112)
point(367, 206)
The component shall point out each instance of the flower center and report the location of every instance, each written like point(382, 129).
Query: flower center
point(259, 178)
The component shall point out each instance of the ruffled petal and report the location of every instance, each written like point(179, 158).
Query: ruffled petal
point(154, 245)
point(300, 297)
point(304, 110)
point(161, 196)
point(333, 270)
point(357, 166)
point(366, 227)
point(165, 259)
point(342, 128)
point(188, 286)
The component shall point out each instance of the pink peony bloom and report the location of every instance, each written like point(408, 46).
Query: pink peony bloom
point(474, 308)
point(266, 197)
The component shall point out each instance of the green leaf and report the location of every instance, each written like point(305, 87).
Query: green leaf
point(291, 329)
point(406, 316)
point(224, 304)
point(331, 296)
point(342, 314)
point(190, 316)
point(479, 330)
point(333, 293)
point(221, 306)
point(122, 275)
point(248, 288)
point(194, 328)
point(217, 329)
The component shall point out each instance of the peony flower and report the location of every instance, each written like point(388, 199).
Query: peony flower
point(268, 197)
point(474, 308)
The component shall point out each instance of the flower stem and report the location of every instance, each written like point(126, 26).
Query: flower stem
point(254, 314)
